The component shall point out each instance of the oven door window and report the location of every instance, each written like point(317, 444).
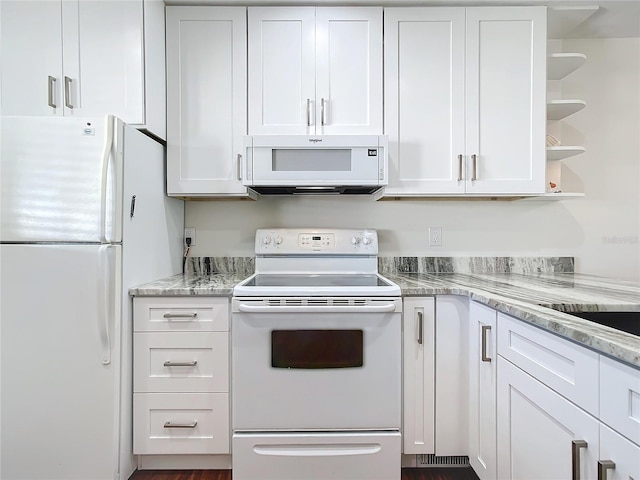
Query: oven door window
point(317, 349)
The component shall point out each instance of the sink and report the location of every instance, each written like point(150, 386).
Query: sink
point(624, 321)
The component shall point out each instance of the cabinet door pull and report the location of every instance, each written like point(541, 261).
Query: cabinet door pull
point(323, 111)
point(169, 363)
point(603, 466)
point(180, 425)
point(239, 166)
point(576, 445)
point(51, 93)
point(181, 315)
point(474, 159)
point(308, 112)
point(67, 92)
point(420, 327)
point(459, 168)
point(485, 329)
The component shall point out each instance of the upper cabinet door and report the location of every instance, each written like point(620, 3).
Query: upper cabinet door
point(506, 99)
point(315, 71)
point(103, 59)
point(31, 58)
point(206, 100)
point(76, 58)
point(348, 70)
point(424, 99)
point(281, 70)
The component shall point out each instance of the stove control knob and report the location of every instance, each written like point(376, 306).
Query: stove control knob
point(366, 240)
point(355, 240)
point(278, 240)
point(266, 240)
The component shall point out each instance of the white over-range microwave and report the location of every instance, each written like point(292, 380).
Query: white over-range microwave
point(315, 165)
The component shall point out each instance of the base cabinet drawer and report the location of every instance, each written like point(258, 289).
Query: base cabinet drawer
point(567, 368)
point(172, 314)
point(181, 362)
point(180, 423)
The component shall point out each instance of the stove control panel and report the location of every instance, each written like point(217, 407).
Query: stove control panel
point(291, 241)
point(316, 240)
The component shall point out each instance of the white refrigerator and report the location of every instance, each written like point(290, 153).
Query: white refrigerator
point(84, 217)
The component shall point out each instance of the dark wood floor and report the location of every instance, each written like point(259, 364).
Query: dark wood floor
point(439, 473)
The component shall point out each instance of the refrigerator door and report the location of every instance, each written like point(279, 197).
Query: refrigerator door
point(59, 361)
point(51, 179)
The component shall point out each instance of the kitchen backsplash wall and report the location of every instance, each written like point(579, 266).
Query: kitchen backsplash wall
point(475, 264)
point(601, 231)
point(386, 265)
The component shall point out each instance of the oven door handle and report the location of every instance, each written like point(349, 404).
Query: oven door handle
point(388, 307)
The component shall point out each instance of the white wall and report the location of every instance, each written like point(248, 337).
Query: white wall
point(601, 230)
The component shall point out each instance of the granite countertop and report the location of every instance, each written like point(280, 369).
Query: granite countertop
point(539, 299)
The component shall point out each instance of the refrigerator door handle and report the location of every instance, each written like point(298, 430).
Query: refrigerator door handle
point(104, 175)
point(104, 289)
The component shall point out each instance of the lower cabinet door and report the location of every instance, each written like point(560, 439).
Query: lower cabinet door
point(538, 431)
point(179, 423)
point(316, 456)
point(619, 457)
point(482, 390)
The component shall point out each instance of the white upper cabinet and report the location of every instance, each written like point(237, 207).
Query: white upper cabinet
point(315, 70)
point(206, 100)
point(424, 99)
point(465, 100)
point(83, 58)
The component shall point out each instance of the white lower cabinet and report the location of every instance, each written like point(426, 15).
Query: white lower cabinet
point(563, 411)
point(418, 417)
point(538, 430)
point(482, 390)
point(452, 362)
point(179, 423)
point(181, 376)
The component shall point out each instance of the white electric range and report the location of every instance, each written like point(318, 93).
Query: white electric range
point(316, 360)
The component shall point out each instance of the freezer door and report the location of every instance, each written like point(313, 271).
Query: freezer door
point(51, 178)
point(59, 362)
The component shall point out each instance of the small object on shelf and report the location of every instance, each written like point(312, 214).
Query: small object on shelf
point(552, 141)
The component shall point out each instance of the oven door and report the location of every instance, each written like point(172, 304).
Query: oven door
point(307, 364)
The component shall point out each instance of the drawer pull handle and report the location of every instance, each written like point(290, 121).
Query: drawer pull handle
point(485, 329)
point(180, 425)
point(603, 466)
point(576, 445)
point(169, 363)
point(181, 315)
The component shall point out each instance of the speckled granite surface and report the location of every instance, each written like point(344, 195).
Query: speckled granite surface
point(537, 298)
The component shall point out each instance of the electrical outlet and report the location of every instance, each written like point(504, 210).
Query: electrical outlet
point(435, 236)
point(190, 232)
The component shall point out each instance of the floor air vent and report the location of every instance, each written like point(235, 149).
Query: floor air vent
point(430, 460)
